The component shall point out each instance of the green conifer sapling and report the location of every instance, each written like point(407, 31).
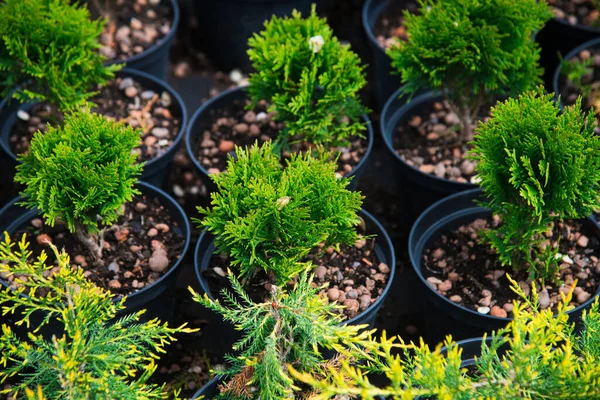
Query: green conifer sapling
point(268, 217)
point(49, 49)
point(310, 80)
point(81, 173)
point(473, 51)
point(96, 357)
point(537, 166)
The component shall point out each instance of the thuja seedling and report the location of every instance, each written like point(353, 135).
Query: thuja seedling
point(473, 51)
point(537, 165)
point(49, 52)
point(310, 80)
point(81, 173)
point(269, 218)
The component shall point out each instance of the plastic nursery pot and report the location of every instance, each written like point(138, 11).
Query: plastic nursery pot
point(155, 170)
point(425, 189)
point(203, 120)
point(226, 25)
point(150, 297)
point(210, 390)
point(559, 37)
point(448, 317)
point(385, 82)
point(155, 59)
point(556, 78)
point(384, 250)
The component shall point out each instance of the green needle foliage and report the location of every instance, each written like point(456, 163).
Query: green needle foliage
point(545, 359)
point(268, 217)
point(292, 328)
point(537, 166)
point(472, 50)
point(310, 80)
point(81, 173)
point(96, 357)
point(49, 48)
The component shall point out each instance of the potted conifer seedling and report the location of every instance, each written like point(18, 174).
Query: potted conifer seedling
point(81, 184)
point(94, 357)
point(539, 174)
point(539, 355)
point(269, 223)
point(471, 53)
point(49, 52)
point(304, 93)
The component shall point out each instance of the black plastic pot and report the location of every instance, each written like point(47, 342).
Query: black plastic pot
point(558, 37)
point(203, 120)
point(385, 82)
point(226, 25)
point(419, 189)
point(447, 317)
point(155, 171)
point(210, 390)
point(151, 297)
point(383, 249)
point(591, 44)
point(155, 59)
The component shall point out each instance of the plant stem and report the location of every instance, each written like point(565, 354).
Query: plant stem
point(81, 233)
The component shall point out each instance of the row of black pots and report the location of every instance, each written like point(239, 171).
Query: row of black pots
point(557, 38)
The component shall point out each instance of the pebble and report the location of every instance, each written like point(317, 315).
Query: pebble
point(164, 228)
point(365, 301)
point(160, 132)
point(498, 312)
point(43, 239)
point(121, 234)
point(427, 168)
point(139, 207)
point(150, 140)
point(567, 259)
point(152, 232)
point(165, 99)
point(508, 307)
point(147, 94)
point(444, 286)
point(483, 310)
point(219, 271)
point(583, 296)
point(352, 294)
point(131, 91)
point(456, 298)
point(544, 299)
point(114, 284)
point(453, 276)
point(127, 274)
point(583, 241)
point(250, 117)
point(136, 24)
point(178, 190)
point(80, 260)
point(236, 76)
point(114, 267)
point(383, 268)
point(23, 115)
point(226, 146)
point(158, 261)
point(125, 83)
point(320, 272)
point(434, 281)
point(37, 223)
point(360, 243)
point(467, 167)
point(352, 305)
point(333, 294)
point(241, 128)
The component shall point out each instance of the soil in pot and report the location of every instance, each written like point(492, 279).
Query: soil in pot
point(429, 140)
point(355, 278)
point(468, 272)
point(241, 127)
point(390, 26)
point(139, 249)
point(576, 12)
point(122, 99)
point(132, 27)
point(570, 91)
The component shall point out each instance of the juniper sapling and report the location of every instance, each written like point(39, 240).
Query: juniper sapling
point(81, 173)
point(473, 51)
point(49, 51)
point(310, 80)
point(265, 217)
point(537, 166)
point(95, 357)
point(290, 328)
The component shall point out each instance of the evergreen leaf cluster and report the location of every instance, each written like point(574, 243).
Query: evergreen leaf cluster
point(474, 51)
point(265, 216)
point(538, 355)
point(537, 165)
point(294, 327)
point(81, 173)
point(310, 80)
point(96, 356)
point(49, 51)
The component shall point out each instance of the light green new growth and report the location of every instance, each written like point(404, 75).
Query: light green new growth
point(474, 51)
point(96, 357)
point(537, 166)
point(49, 49)
point(293, 328)
point(545, 359)
point(310, 80)
point(82, 173)
point(268, 217)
